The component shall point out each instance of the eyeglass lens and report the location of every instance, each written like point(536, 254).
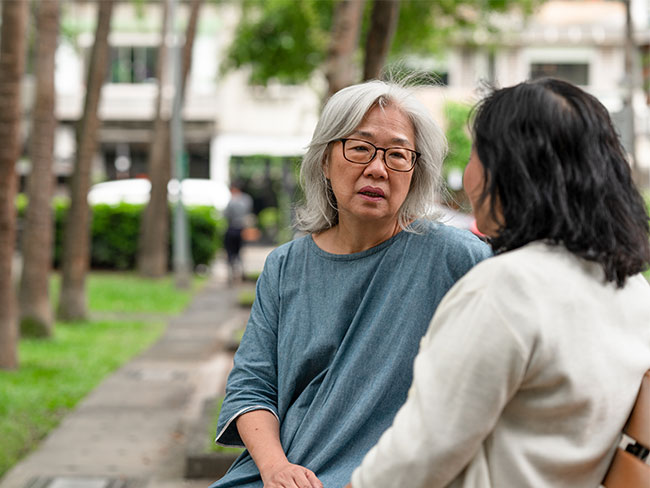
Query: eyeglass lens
point(362, 152)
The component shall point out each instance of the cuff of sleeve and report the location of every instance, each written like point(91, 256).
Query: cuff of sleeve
point(228, 436)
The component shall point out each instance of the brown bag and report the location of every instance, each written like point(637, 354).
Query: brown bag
point(251, 234)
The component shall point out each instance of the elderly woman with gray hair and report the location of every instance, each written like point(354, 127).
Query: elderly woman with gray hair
point(326, 360)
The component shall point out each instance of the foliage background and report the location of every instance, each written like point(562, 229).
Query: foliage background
point(287, 40)
point(114, 233)
point(460, 146)
point(272, 182)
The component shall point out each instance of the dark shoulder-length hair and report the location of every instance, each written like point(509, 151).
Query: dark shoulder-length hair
point(556, 170)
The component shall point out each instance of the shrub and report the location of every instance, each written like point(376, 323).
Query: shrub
point(114, 235)
point(269, 220)
point(207, 230)
point(115, 229)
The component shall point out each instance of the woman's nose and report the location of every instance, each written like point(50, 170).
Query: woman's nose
point(376, 167)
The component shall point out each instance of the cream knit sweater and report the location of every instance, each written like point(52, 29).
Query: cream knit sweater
point(525, 378)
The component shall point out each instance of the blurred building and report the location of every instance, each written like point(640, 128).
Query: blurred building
point(582, 41)
point(223, 117)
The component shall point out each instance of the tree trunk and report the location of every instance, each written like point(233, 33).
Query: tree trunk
point(346, 26)
point(35, 309)
point(154, 230)
point(12, 65)
point(631, 82)
point(72, 303)
point(153, 245)
point(383, 24)
point(190, 34)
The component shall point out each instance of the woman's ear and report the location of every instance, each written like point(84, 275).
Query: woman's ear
point(326, 163)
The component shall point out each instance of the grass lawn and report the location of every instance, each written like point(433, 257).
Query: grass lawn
point(55, 374)
point(129, 293)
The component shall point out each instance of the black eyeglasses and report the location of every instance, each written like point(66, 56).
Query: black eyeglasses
point(358, 151)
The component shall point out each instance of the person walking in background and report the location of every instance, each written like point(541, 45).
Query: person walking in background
point(533, 360)
point(326, 358)
point(238, 212)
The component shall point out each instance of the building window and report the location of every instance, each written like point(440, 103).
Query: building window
point(576, 73)
point(132, 64)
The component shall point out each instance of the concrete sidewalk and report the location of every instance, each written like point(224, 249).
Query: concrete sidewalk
point(132, 430)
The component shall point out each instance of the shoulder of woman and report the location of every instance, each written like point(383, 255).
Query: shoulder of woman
point(439, 230)
point(518, 270)
point(278, 256)
point(453, 240)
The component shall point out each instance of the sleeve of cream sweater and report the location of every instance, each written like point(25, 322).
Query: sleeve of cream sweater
point(469, 365)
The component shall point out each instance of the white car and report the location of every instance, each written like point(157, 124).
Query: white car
point(194, 192)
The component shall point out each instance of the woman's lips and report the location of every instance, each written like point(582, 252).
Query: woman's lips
point(372, 193)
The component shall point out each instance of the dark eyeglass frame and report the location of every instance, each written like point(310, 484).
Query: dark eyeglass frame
point(414, 154)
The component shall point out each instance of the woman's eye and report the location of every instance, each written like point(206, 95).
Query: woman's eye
point(397, 155)
point(360, 148)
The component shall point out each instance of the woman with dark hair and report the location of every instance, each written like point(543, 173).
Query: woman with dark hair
point(533, 360)
point(327, 356)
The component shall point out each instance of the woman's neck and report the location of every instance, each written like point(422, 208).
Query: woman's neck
point(346, 238)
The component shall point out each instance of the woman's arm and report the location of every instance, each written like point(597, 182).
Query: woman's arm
point(260, 432)
point(249, 415)
point(469, 365)
point(252, 382)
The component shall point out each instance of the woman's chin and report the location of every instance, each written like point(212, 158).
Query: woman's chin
point(375, 217)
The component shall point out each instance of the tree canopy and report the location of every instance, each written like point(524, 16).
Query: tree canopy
point(287, 40)
point(284, 40)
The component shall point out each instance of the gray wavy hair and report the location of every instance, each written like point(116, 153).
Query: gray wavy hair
point(340, 117)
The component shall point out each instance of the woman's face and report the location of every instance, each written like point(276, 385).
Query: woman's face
point(372, 192)
point(474, 184)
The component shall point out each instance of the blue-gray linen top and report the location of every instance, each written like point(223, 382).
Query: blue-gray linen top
point(330, 343)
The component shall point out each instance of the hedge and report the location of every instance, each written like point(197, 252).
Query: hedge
point(115, 228)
